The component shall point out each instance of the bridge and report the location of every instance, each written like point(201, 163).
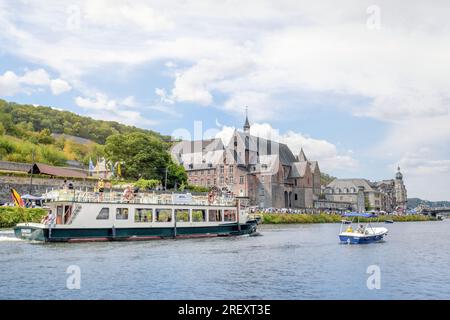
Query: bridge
point(444, 211)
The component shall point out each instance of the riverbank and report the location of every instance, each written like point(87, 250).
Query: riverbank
point(10, 216)
point(286, 218)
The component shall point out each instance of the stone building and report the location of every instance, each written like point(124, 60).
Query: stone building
point(361, 194)
point(265, 171)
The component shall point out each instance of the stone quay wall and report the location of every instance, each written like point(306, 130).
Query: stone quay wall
point(40, 185)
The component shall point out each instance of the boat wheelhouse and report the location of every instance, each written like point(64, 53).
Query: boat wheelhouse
point(75, 216)
point(364, 233)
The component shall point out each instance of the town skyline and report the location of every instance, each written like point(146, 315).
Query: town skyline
point(356, 101)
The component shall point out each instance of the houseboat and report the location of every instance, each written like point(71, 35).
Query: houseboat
point(76, 216)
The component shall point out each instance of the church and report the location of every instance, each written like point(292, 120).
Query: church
point(265, 171)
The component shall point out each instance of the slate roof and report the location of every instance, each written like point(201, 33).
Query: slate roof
point(351, 183)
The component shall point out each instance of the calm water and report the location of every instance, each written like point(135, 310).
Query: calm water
point(286, 262)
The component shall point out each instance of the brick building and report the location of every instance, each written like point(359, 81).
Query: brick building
point(264, 170)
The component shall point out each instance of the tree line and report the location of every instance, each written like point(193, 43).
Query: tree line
point(26, 134)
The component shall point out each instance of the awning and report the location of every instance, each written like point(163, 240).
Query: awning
point(360, 214)
point(40, 168)
point(31, 197)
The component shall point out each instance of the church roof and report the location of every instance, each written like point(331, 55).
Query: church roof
point(298, 169)
point(350, 183)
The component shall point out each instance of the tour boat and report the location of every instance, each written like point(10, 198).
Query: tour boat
point(76, 216)
point(364, 233)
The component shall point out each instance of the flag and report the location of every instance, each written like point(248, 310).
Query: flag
point(91, 166)
point(17, 199)
point(119, 170)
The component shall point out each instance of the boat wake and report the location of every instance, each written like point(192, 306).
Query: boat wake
point(8, 236)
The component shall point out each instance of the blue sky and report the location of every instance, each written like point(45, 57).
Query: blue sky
point(362, 88)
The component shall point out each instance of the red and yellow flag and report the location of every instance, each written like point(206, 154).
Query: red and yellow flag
point(17, 199)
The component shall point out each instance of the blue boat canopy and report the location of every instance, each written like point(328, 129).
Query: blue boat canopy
point(360, 214)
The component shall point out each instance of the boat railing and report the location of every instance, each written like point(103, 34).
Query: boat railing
point(140, 198)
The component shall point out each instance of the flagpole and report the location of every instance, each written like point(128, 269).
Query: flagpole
point(32, 169)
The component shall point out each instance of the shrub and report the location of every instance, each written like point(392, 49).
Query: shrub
point(10, 216)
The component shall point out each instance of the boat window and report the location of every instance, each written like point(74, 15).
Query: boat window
point(182, 215)
point(163, 215)
point(103, 214)
point(122, 214)
point(198, 215)
point(229, 215)
point(214, 215)
point(143, 215)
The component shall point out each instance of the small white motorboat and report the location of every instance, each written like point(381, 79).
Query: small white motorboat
point(363, 233)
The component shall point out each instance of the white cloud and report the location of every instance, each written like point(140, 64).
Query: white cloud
point(319, 150)
point(31, 81)
point(59, 86)
point(100, 106)
point(9, 84)
point(119, 14)
point(426, 176)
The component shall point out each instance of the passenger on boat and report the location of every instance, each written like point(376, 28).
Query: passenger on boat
point(360, 229)
point(64, 185)
point(101, 188)
point(128, 194)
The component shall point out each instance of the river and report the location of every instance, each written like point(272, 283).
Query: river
point(284, 262)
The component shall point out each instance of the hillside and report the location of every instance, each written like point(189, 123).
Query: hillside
point(55, 136)
point(414, 202)
point(58, 122)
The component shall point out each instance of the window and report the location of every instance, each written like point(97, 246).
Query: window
point(163, 215)
point(230, 170)
point(198, 215)
point(122, 214)
point(296, 196)
point(182, 215)
point(229, 215)
point(103, 214)
point(221, 169)
point(143, 215)
point(241, 179)
point(231, 180)
point(222, 180)
point(295, 183)
point(214, 215)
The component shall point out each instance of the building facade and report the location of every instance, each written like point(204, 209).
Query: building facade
point(265, 171)
point(361, 194)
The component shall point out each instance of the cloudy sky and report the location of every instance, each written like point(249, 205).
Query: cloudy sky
point(362, 86)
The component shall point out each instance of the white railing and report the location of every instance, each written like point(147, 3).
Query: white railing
point(142, 198)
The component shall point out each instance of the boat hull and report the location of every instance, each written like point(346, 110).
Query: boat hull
point(37, 232)
point(361, 240)
point(372, 235)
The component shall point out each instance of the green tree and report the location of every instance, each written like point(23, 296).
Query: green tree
point(143, 156)
point(45, 137)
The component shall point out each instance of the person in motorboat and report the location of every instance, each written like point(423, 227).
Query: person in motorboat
point(360, 229)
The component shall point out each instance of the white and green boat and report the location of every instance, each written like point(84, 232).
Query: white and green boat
point(76, 216)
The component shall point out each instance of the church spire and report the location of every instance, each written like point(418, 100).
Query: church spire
point(247, 123)
point(302, 156)
point(399, 175)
